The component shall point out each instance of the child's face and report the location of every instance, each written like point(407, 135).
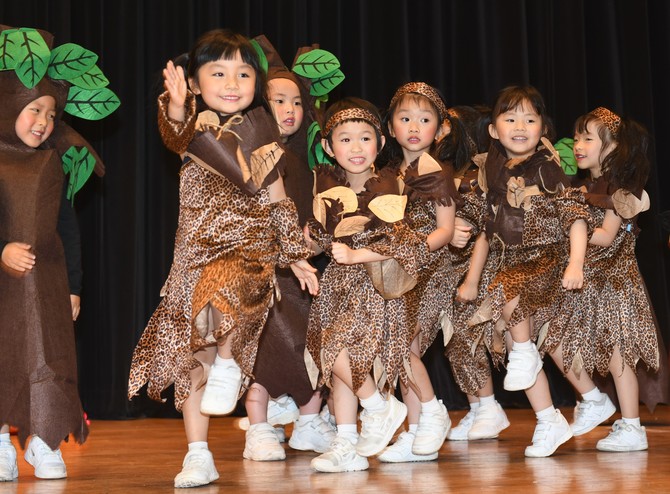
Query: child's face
point(354, 146)
point(589, 150)
point(226, 86)
point(286, 103)
point(519, 130)
point(415, 124)
point(36, 121)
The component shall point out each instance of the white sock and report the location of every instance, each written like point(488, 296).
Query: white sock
point(474, 405)
point(546, 414)
point(593, 395)
point(348, 432)
point(635, 421)
point(4, 438)
point(487, 400)
point(197, 445)
point(431, 406)
point(374, 403)
point(305, 419)
point(523, 345)
point(412, 428)
point(225, 362)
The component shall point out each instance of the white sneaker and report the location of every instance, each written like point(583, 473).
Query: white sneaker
point(377, 428)
point(432, 431)
point(401, 451)
point(222, 390)
point(341, 457)
point(197, 469)
point(281, 411)
point(460, 432)
point(262, 444)
point(490, 420)
point(624, 437)
point(590, 413)
point(548, 436)
point(522, 369)
point(48, 463)
point(9, 470)
point(316, 435)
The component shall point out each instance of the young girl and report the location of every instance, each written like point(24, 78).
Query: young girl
point(530, 213)
point(468, 353)
point(354, 335)
point(609, 327)
point(235, 226)
point(415, 122)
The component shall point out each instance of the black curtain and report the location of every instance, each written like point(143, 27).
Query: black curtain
point(579, 53)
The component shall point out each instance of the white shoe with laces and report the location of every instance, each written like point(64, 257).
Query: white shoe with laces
point(548, 436)
point(431, 432)
point(490, 420)
point(460, 432)
point(341, 457)
point(590, 413)
point(378, 428)
point(624, 437)
point(281, 411)
point(523, 367)
point(197, 469)
point(401, 451)
point(48, 463)
point(316, 435)
point(261, 444)
point(222, 390)
point(9, 469)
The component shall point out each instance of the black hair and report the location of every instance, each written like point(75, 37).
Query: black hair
point(469, 136)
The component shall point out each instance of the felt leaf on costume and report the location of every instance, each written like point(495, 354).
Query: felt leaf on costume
point(316, 63)
point(263, 160)
point(389, 207)
point(93, 78)
point(207, 119)
point(343, 196)
point(261, 55)
point(91, 104)
point(9, 40)
point(70, 60)
point(323, 85)
point(350, 226)
point(78, 164)
point(31, 55)
point(427, 164)
point(316, 154)
point(627, 205)
point(568, 162)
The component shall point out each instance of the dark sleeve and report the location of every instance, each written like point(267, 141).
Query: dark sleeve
point(3, 243)
point(68, 229)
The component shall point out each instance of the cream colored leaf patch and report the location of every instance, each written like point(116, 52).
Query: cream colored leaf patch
point(427, 164)
point(344, 194)
point(206, 120)
point(627, 205)
point(263, 160)
point(350, 226)
point(389, 207)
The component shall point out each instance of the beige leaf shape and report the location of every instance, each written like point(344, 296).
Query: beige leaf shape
point(547, 143)
point(389, 207)
point(627, 205)
point(427, 164)
point(206, 119)
point(350, 226)
point(263, 160)
point(345, 195)
point(457, 182)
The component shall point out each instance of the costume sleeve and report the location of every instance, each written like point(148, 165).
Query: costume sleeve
point(436, 185)
point(176, 135)
point(292, 245)
point(408, 247)
point(68, 229)
point(473, 210)
point(571, 206)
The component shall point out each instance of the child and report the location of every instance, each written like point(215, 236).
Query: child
point(235, 226)
point(40, 268)
point(353, 337)
point(468, 353)
point(609, 326)
point(280, 364)
point(530, 212)
point(415, 122)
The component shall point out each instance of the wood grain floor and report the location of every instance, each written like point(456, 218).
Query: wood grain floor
point(144, 455)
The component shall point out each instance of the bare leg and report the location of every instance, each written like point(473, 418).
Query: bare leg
point(583, 384)
point(312, 406)
point(626, 384)
point(256, 404)
point(538, 394)
point(196, 424)
point(342, 370)
point(345, 402)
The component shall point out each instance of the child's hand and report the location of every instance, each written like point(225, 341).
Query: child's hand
point(467, 292)
point(573, 278)
point(343, 254)
point(75, 301)
point(306, 274)
point(175, 84)
point(462, 234)
point(17, 255)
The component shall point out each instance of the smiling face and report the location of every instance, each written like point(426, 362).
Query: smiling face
point(226, 86)
point(519, 130)
point(286, 103)
point(36, 121)
point(354, 147)
point(589, 149)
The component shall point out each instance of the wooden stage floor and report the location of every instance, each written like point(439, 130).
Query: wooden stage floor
point(144, 455)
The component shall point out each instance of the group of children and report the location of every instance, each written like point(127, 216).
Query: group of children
point(456, 220)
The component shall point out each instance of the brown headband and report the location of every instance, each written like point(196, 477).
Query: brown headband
point(424, 90)
point(610, 119)
point(351, 114)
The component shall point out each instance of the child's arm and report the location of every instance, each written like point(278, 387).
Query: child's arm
point(606, 233)
point(343, 254)
point(306, 274)
point(75, 302)
point(462, 233)
point(573, 278)
point(467, 291)
point(18, 256)
point(443, 234)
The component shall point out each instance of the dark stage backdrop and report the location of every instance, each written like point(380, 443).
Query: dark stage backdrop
point(579, 53)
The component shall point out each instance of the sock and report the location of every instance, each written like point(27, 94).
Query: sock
point(224, 362)
point(431, 406)
point(474, 405)
point(374, 403)
point(413, 427)
point(635, 421)
point(524, 345)
point(305, 419)
point(546, 414)
point(197, 445)
point(4, 438)
point(593, 395)
point(487, 400)
point(348, 432)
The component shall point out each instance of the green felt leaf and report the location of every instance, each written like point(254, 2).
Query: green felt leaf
point(92, 79)
point(261, 55)
point(31, 55)
point(316, 63)
point(316, 154)
point(70, 60)
point(91, 104)
point(325, 84)
point(568, 161)
point(78, 164)
point(9, 43)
